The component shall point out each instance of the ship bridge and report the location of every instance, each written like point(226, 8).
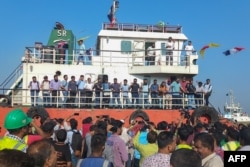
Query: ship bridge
point(132, 40)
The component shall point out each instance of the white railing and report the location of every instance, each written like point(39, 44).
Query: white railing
point(92, 99)
point(107, 57)
point(143, 27)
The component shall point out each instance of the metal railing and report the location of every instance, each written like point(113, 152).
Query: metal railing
point(104, 99)
point(143, 27)
point(14, 75)
point(108, 57)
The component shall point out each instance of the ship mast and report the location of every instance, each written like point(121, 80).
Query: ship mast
point(111, 15)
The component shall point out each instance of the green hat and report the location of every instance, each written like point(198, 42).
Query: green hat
point(16, 118)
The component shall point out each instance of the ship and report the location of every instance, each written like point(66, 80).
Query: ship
point(234, 112)
point(119, 53)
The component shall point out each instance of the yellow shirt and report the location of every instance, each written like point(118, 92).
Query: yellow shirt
point(186, 146)
point(145, 149)
point(231, 146)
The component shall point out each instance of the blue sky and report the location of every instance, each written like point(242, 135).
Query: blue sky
point(225, 22)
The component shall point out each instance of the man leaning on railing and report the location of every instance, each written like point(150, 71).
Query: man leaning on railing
point(34, 87)
point(55, 87)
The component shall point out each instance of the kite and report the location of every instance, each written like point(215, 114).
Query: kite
point(83, 38)
point(232, 51)
point(211, 45)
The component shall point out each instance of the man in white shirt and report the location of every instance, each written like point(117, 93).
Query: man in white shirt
point(89, 92)
point(189, 48)
point(34, 91)
point(150, 59)
point(204, 145)
point(170, 47)
point(207, 91)
point(199, 90)
point(45, 91)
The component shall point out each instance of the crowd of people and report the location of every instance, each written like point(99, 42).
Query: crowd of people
point(172, 93)
point(63, 142)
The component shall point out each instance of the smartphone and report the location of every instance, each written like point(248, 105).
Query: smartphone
point(76, 114)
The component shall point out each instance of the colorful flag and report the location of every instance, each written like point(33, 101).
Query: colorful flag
point(213, 45)
point(232, 51)
point(210, 45)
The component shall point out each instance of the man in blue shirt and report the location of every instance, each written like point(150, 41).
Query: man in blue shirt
point(115, 88)
point(176, 96)
point(154, 94)
point(134, 88)
point(81, 51)
point(55, 87)
point(96, 159)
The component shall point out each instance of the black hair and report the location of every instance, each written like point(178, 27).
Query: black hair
point(40, 150)
point(164, 139)
point(102, 125)
point(190, 129)
point(59, 120)
point(98, 142)
point(198, 127)
point(117, 124)
point(219, 127)
point(245, 136)
point(206, 139)
point(92, 127)
point(185, 158)
point(218, 137)
point(152, 137)
point(58, 73)
point(162, 125)
point(15, 131)
point(183, 133)
point(15, 158)
point(48, 127)
point(232, 133)
point(61, 135)
point(73, 123)
point(87, 120)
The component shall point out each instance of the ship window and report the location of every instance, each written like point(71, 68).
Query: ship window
point(126, 47)
point(163, 49)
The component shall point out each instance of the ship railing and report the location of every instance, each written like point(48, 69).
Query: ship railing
point(160, 28)
point(104, 99)
point(14, 77)
point(109, 57)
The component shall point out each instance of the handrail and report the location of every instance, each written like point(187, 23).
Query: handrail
point(143, 27)
point(79, 99)
point(15, 73)
point(112, 56)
